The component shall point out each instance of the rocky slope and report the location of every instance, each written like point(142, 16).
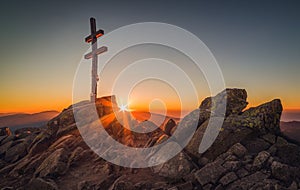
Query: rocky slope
point(250, 152)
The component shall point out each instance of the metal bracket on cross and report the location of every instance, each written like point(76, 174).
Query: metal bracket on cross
point(94, 55)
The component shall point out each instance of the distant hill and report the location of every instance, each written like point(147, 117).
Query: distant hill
point(290, 115)
point(22, 120)
point(291, 129)
point(10, 113)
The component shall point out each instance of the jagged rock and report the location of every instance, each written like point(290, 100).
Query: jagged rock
point(266, 117)
point(202, 161)
point(76, 155)
point(5, 131)
point(194, 143)
point(40, 143)
point(15, 152)
point(223, 142)
point(293, 152)
point(191, 119)
point(272, 150)
point(28, 130)
point(38, 184)
point(232, 165)
point(236, 102)
point(242, 173)
point(169, 126)
point(120, 184)
point(63, 142)
point(281, 142)
point(228, 178)
point(227, 137)
point(2, 163)
point(293, 186)
point(2, 138)
point(231, 158)
point(5, 147)
point(260, 160)
point(88, 185)
point(54, 165)
point(248, 181)
point(175, 168)
point(255, 145)
point(185, 186)
point(238, 149)
point(27, 165)
point(281, 171)
point(267, 184)
point(269, 138)
point(8, 139)
point(208, 186)
point(66, 130)
point(210, 173)
point(144, 185)
point(64, 119)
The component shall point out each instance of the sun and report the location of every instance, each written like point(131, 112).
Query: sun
point(124, 107)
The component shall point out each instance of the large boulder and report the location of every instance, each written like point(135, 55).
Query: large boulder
point(175, 168)
point(169, 126)
point(210, 173)
point(16, 152)
point(260, 160)
point(265, 117)
point(248, 181)
point(281, 171)
point(233, 99)
point(5, 147)
point(54, 165)
point(222, 143)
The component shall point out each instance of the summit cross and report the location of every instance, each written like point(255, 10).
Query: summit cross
point(92, 38)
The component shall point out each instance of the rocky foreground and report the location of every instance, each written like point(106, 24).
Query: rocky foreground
point(250, 152)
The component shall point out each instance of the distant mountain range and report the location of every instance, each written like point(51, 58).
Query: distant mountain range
point(291, 129)
point(21, 120)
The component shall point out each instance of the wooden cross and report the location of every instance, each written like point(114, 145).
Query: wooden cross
point(94, 55)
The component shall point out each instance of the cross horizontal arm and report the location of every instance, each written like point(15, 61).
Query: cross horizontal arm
point(97, 52)
point(96, 35)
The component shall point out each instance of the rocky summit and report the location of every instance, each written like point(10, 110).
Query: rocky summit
point(250, 151)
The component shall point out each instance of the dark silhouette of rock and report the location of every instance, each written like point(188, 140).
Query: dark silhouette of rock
point(235, 102)
point(260, 160)
point(228, 178)
point(13, 153)
point(39, 183)
point(266, 117)
point(175, 168)
point(210, 173)
point(5, 131)
point(281, 171)
point(238, 150)
point(54, 165)
point(169, 126)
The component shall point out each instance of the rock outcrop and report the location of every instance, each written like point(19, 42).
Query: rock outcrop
point(250, 152)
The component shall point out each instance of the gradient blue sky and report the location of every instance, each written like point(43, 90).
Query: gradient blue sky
point(256, 44)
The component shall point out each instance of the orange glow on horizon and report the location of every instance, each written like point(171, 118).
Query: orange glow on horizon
point(40, 104)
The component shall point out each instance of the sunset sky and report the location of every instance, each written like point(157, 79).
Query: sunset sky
point(256, 43)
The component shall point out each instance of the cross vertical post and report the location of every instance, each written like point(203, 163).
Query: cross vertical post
point(94, 55)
